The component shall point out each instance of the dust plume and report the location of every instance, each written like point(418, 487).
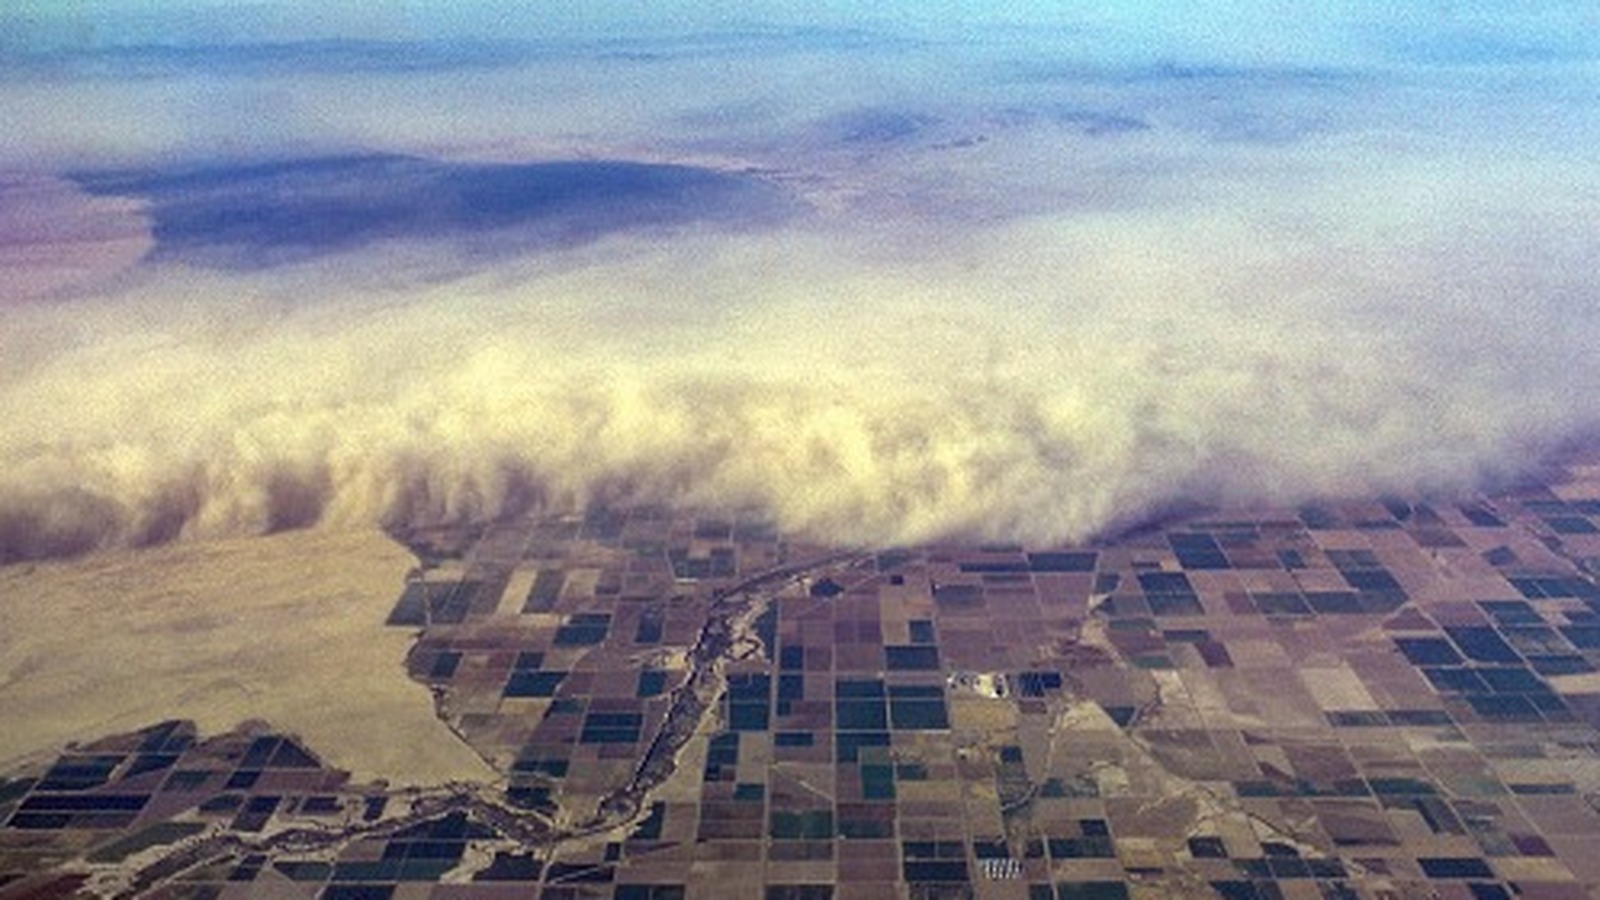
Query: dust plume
point(1031, 302)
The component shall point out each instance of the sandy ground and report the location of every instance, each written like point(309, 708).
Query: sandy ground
point(54, 236)
point(286, 628)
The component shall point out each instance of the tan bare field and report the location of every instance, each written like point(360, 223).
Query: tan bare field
point(287, 628)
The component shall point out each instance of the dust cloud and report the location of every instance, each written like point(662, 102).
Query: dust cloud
point(1028, 303)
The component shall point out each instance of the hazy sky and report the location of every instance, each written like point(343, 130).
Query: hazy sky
point(947, 271)
point(1321, 30)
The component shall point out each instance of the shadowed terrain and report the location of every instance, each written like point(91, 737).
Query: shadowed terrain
point(259, 215)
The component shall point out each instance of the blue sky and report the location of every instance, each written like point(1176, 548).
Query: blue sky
point(1335, 32)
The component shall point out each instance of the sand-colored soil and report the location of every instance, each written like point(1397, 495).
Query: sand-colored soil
point(54, 236)
point(286, 628)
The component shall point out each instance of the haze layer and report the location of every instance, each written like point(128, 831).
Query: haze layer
point(926, 279)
